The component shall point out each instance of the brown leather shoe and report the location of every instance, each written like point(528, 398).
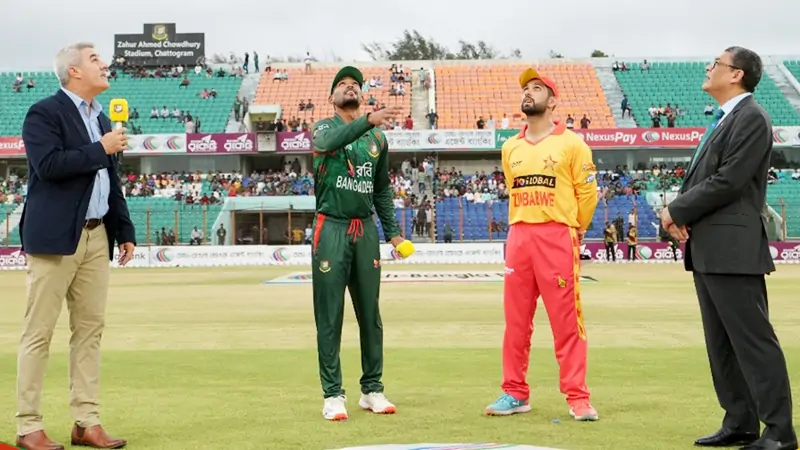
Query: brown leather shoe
point(95, 437)
point(37, 441)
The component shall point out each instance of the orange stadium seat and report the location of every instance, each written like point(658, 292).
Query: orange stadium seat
point(316, 86)
point(464, 93)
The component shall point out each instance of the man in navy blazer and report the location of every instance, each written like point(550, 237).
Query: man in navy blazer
point(74, 214)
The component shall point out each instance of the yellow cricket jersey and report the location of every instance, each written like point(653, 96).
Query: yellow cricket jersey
point(553, 180)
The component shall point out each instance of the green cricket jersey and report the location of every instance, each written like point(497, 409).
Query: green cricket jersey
point(351, 172)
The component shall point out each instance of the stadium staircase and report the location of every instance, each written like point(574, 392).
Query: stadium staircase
point(151, 214)
point(779, 75)
point(466, 92)
point(246, 90)
point(614, 95)
point(421, 104)
point(678, 83)
point(142, 94)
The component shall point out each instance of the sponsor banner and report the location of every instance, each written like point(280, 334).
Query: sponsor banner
point(12, 146)
point(678, 138)
point(785, 137)
point(300, 255)
point(501, 136)
point(160, 45)
point(478, 253)
point(645, 251)
point(222, 143)
point(293, 142)
point(156, 144)
point(14, 258)
point(780, 251)
point(213, 255)
point(407, 276)
point(785, 251)
point(411, 140)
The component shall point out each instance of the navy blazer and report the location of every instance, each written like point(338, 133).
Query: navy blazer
point(62, 165)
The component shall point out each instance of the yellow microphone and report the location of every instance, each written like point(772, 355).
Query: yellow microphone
point(118, 111)
point(405, 249)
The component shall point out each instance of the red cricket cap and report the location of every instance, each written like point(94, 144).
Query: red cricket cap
point(532, 74)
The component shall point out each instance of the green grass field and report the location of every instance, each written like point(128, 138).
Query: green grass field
point(211, 358)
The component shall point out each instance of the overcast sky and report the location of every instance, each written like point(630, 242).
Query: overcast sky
point(31, 31)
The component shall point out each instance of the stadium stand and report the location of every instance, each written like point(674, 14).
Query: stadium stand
point(474, 206)
point(785, 191)
point(315, 86)
point(794, 68)
point(478, 216)
point(464, 93)
point(678, 83)
point(143, 94)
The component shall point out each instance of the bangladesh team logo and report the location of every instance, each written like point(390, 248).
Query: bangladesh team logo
point(324, 266)
point(374, 151)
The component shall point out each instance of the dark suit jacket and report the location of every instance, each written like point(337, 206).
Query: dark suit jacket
point(62, 165)
point(724, 194)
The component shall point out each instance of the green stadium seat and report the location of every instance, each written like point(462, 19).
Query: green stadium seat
point(794, 68)
point(678, 83)
point(150, 214)
point(142, 94)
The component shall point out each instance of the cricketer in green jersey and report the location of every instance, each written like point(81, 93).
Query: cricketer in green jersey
point(351, 184)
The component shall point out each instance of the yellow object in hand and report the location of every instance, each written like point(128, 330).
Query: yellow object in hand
point(405, 249)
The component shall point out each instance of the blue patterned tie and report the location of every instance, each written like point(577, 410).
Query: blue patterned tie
point(717, 117)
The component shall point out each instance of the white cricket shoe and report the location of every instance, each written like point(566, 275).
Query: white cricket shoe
point(335, 408)
point(377, 403)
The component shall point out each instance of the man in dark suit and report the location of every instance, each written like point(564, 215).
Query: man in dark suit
point(719, 210)
point(75, 212)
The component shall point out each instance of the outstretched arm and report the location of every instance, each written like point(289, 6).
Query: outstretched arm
point(383, 195)
point(327, 136)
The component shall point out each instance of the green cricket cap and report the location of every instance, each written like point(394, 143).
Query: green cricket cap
point(345, 72)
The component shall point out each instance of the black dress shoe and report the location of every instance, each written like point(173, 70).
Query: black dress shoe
point(769, 444)
point(726, 438)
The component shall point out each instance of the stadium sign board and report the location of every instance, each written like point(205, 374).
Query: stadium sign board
point(401, 140)
point(160, 45)
point(13, 258)
point(654, 138)
point(222, 143)
point(156, 144)
point(11, 146)
point(412, 140)
point(293, 142)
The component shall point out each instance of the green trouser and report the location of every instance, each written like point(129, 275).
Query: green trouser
point(347, 254)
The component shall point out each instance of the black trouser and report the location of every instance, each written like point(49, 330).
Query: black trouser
point(347, 255)
point(611, 252)
point(747, 363)
point(631, 252)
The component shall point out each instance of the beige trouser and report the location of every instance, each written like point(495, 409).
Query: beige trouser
point(81, 278)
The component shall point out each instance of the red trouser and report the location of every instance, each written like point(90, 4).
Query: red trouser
point(543, 259)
